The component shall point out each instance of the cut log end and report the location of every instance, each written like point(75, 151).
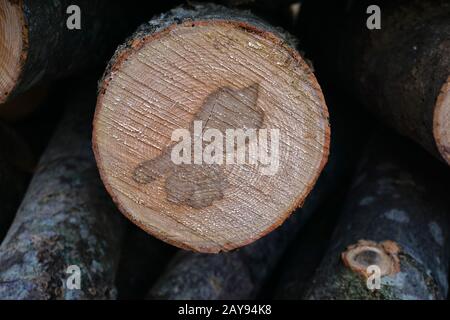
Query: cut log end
point(359, 257)
point(11, 46)
point(442, 121)
point(225, 75)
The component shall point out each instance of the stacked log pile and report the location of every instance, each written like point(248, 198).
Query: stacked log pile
point(65, 219)
point(395, 217)
point(220, 156)
point(399, 72)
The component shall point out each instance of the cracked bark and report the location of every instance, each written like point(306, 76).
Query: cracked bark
point(396, 216)
point(66, 218)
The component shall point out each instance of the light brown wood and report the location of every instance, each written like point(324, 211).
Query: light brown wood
point(11, 44)
point(441, 119)
point(230, 75)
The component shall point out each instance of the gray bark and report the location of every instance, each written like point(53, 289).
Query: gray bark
point(401, 196)
point(65, 219)
point(53, 51)
point(396, 72)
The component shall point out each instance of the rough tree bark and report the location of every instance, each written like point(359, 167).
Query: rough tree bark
point(396, 217)
point(36, 45)
point(16, 163)
point(401, 72)
point(229, 70)
point(65, 219)
point(242, 274)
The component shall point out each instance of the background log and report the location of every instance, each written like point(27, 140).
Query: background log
point(65, 219)
point(36, 45)
point(397, 217)
point(16, 164)
point(400, 72)
point(230, 70)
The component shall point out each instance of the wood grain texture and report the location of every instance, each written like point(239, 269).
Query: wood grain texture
point(235, 71)
point(66, 218)
point(247, 272)
point(352, 129)
point(11, 46)
point(396, 216)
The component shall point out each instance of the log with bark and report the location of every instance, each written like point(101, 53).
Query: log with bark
point(396, 217)
point(65, 219)
point(37, 46)
point(352, 127)
point(305, 253)
point(207, 67)
point(16, 164)
point(244, 273)
point(400, 72)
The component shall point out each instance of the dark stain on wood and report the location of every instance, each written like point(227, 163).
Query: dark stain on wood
point(196, 185)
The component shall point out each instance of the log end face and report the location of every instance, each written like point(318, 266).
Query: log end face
point(441, 122)
point(12, 34)
point(208, 77)
point(360, 256)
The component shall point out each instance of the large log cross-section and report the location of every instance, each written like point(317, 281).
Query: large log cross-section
point(206, 68)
